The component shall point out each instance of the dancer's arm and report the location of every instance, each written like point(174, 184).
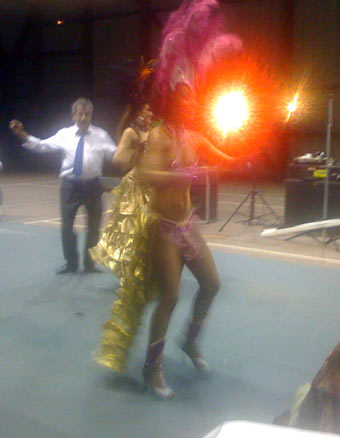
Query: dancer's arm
point(216, 157)
point(18, 129)
point(123, 159)
point(209, 152)
point(36, 144)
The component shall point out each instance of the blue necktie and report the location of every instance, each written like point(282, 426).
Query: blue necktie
point(78, 159)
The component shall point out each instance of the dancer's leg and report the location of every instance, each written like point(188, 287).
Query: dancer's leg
point(70, 201)
point(168, 266)
point(204, 269)
point(93, 204)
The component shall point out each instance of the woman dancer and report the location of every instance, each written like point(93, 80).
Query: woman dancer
point(169, 166)
point(130, 192)
point(159, 240)
point(120, 248)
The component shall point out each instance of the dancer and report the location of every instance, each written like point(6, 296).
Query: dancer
point(165, 230)
point(122, 248)
point(131, 195)
point(169, 166)
point(84, 147)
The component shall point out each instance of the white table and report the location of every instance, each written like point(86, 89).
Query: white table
point(240, 429)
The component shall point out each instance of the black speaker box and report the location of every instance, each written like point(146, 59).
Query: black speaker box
point(304, 200)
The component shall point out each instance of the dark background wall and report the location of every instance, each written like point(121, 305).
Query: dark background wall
point(45, 66)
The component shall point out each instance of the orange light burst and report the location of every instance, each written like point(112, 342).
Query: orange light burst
point(240, 106)
point(292, 106)
point(231, 111)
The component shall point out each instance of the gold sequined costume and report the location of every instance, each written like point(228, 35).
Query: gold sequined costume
point(124, 248)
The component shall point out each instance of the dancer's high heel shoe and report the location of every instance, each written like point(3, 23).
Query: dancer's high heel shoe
point(155, 383)
point(153, 374)
point(190, 349)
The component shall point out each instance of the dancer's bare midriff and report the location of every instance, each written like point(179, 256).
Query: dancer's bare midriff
point(172, 201)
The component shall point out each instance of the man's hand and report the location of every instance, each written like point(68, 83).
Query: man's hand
point(18, 129)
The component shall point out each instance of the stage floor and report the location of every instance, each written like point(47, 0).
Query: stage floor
point(272, 325)
point(33, 199)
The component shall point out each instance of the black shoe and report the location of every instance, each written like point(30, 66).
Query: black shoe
point(92, 269)
point(66, 269)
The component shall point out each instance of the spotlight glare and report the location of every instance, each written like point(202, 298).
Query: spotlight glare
point(292, 106)
point(231, 111)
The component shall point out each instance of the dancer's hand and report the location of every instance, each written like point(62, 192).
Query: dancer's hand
point(18, 129)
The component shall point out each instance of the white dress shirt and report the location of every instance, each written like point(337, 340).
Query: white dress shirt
point(98, 146)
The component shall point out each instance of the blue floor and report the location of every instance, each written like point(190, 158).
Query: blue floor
point(271, 327)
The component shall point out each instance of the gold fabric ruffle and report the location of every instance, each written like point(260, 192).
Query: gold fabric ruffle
point(124, 248)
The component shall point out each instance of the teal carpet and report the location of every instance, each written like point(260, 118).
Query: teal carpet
point(270, 328)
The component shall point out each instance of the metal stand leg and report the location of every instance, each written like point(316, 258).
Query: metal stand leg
point(252, 195)
point(325, 239)
point(235, 212)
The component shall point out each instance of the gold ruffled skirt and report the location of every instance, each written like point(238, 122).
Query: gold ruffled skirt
point(124, 248)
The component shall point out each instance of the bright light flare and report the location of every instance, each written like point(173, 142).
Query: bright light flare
point(292, 106)
point(231, 112)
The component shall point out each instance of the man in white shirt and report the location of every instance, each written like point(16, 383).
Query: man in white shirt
point(84, 147)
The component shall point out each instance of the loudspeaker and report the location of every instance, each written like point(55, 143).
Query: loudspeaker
point(304, 201)
point(204, 194)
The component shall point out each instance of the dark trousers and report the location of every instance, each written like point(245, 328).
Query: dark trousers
point(73, 194)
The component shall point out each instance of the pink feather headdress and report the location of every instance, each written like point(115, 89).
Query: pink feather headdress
point(193, 37)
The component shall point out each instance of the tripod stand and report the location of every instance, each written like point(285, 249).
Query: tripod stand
point(254, 192)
